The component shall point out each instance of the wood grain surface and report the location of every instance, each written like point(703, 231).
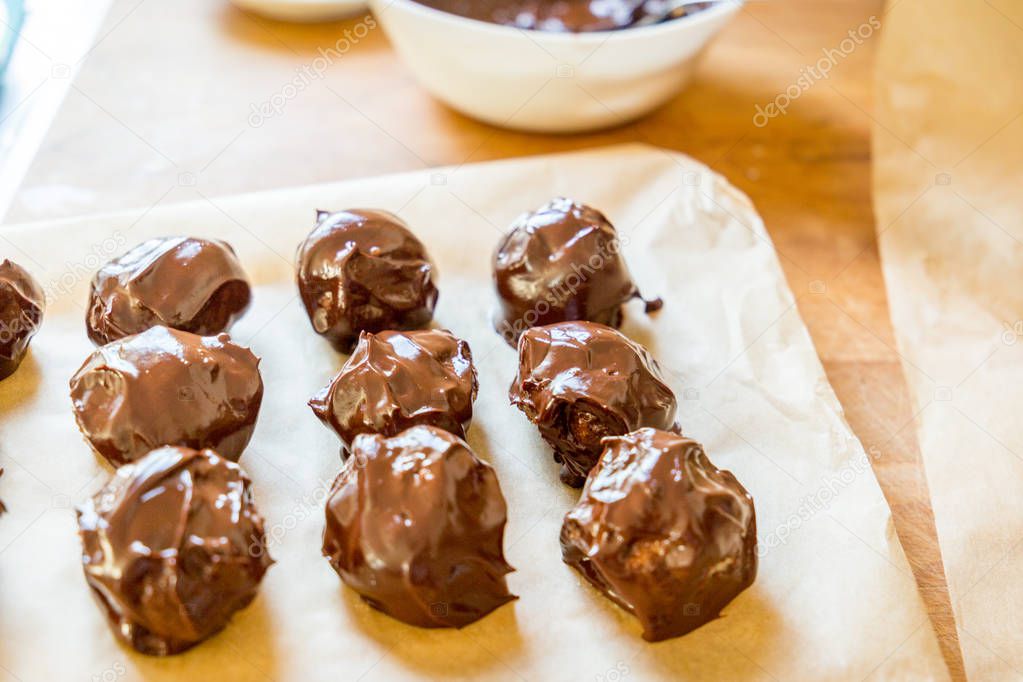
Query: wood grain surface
point(160, 113)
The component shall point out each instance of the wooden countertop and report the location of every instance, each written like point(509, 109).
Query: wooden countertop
point(159, 113)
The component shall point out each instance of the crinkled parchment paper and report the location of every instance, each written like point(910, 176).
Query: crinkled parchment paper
point(835, 598)
point(947, 186)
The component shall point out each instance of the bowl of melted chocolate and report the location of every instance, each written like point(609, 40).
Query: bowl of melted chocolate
point(559, 67)
point(569, 16)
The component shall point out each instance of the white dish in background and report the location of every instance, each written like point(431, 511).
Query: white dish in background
point(548, 82)
point(305, 11)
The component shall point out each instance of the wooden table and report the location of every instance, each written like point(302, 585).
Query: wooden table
point(159, 114)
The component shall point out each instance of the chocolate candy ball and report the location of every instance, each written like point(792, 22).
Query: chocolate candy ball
point(172, 547)
point(364, 270)
point(21, 312)
point(167, 387)
point(562, 262)
point(415, 525)
point(396, 380)
point(195, 285)
point(580, 382)
point(662, 532)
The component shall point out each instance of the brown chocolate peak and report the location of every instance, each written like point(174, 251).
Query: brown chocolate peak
point(167, 387)
point(562, 262)
point(396, 380)
point(580, 382)
point(663, 532)
point(415, 525)
point(364, 270)
point(196, 285)
point(22, 302)
point(172, 547)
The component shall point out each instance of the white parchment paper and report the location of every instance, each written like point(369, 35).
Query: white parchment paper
point(834, 600)
point(948, 148)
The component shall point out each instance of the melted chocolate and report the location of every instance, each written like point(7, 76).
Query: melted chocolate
point(167, 387)
point(561, 263)
point(396, 380)
point(580, 382)
point(574, 16)
point(364, 270)
point(172, 547)
point(21, 312)
point(662, 532)
point(415, 525)
point(196, 285)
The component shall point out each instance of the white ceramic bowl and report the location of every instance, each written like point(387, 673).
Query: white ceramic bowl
point(543, 81)
point(303, 11)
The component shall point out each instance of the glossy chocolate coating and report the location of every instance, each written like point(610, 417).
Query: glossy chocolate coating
point(21, 312)
point(662, 532)
point(415, 525)
point(396, 380)
point(580, 382)
point(575, 16)
point(172, 547)
point(560, 263)
point(167, 387)
point(196, 285)
point(364, 270)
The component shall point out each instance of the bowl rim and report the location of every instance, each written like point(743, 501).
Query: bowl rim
point(595, 38)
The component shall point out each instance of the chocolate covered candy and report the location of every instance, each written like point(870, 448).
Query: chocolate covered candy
point(167, 387)
point(195, 285)
point(364, 270)
point(22, 302)
point(395, 380)
point(662, 532)
point(562, 262)
point(415, 525)
point(580, 382)
point(172, 547)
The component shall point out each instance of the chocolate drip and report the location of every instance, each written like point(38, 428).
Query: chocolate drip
point(662, 532)
point(580, 382)
point(415, 525)
point(22, 302)
point(172, 547)
point(167, 387)
point(395, 380)
point(195, 285)
point(364, 270)
point(561, 263)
